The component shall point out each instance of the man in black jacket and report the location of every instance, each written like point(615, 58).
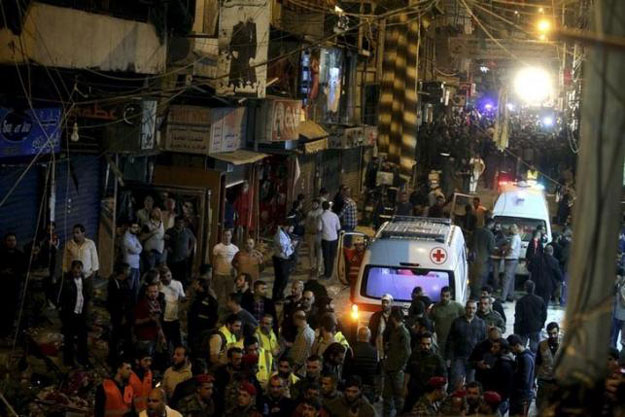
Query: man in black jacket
point(258, 304)
point(365, 364)
point(500, 374)
point(73, 312)
point(523, 377)
point(275, 403)
point(464, 334)
point(203, 313)
point(120, 304)
point(424, 363)
point(481, 248)
point(481, 359)
point(546, 273)
point(13, 266)
point(529, 316)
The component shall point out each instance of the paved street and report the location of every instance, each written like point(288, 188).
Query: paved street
point(340, 295)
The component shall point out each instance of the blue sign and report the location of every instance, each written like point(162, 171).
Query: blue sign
point(29, 133)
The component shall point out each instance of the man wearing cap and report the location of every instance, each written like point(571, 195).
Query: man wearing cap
point(490, 404)
point(200, 403)
point(429, 403)
point(352, 403)
point(379, 322)
point(397, 353)
point(246, 401)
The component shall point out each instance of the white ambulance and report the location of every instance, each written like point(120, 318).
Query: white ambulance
point(525, 205)
point(409, 252)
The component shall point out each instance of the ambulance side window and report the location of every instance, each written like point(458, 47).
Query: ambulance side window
point(462, 267)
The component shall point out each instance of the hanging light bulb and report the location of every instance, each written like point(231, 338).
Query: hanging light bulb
point(74, 137)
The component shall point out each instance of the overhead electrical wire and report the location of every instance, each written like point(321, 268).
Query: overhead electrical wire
point(497, 42)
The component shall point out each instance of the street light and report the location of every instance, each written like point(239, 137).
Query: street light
point(533, 85)
point(544, 26)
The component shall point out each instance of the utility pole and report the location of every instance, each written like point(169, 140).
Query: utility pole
point(581, 366)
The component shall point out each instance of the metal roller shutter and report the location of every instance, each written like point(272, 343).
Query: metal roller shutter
point(19, 213)
point(330, 170)
point(350, 169)
point(78, 195)
point(306, 184)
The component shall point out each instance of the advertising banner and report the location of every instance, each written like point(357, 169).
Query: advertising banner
point(29, 133)
point(188, 129)
point(228, 130)
point(243, 44)
point(203, 130)
point(280, 120)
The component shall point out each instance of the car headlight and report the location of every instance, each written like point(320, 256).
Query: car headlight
point(355, 313)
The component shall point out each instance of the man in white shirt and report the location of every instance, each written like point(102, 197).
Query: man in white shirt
point(81, 249)
point(329, 226)
point(477, 169)
point(131, 249)
point(174, 295)
point(511, 262)
point(223, 254)
point(282, 259)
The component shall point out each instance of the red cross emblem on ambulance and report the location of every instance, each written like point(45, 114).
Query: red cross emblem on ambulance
point(438, 255)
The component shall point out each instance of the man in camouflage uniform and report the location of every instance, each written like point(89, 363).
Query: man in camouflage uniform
point(430, 402)
point(424, 363)
point(200, 403)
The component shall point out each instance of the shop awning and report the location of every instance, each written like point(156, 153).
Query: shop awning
point(239, 157)
point(316, 146)
point(311, 130)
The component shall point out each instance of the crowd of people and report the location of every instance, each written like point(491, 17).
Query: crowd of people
point(215, 343)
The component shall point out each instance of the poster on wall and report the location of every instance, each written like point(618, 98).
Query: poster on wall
point(228, 130)
point(188, 129)
point(281, 119)
point(322, 76)
point(243, 42)
point(29, 132)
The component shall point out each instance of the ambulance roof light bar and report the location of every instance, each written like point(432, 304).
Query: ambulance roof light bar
point(403, 227)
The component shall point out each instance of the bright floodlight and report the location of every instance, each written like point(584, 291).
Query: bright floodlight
point(533, 85)
point(544, 25)
point(548, 121)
